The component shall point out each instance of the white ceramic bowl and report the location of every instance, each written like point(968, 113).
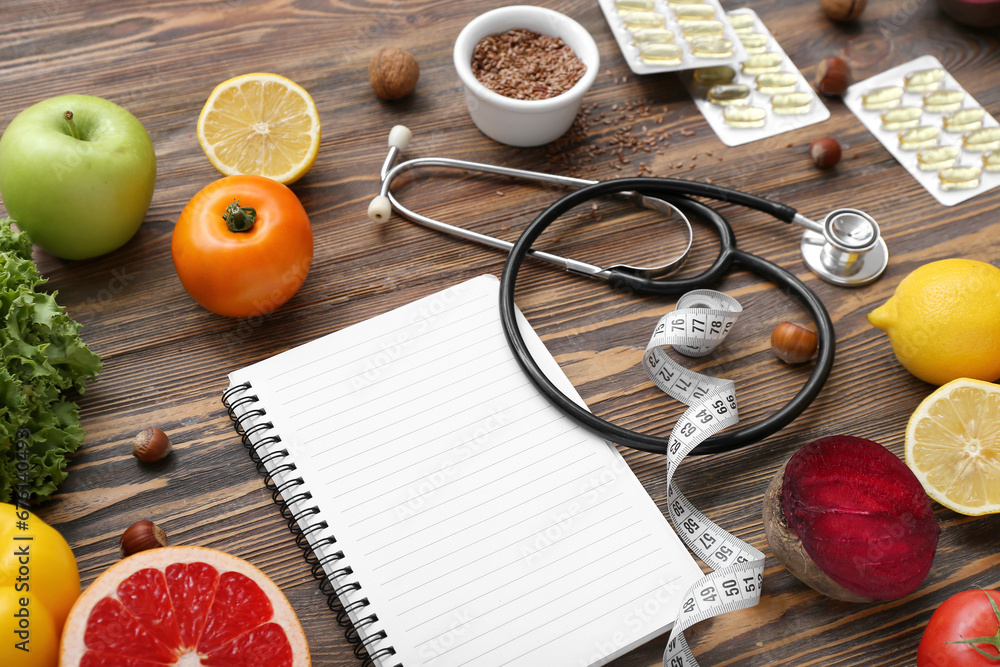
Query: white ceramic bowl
point(524, 122)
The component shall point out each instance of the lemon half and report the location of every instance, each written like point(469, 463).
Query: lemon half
point(262, 124)
point(953, 446)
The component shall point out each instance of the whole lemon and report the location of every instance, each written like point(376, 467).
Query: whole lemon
point(944, 321)
point(30, 637)
point(37, 567)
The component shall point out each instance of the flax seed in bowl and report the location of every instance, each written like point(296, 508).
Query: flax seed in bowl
point(525, 70)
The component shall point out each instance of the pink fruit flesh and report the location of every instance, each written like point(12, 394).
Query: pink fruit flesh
point(861, 515)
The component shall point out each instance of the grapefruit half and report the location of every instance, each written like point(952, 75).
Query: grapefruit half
point(183, 606)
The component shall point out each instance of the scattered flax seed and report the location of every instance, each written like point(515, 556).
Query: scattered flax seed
point(500, 193)
point(525, 65)
point(505, 228)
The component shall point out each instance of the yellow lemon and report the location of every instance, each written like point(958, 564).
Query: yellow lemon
point(30, 637)
point(261, 124)
point(953, 446)
point(35, 558)
point(944, 321)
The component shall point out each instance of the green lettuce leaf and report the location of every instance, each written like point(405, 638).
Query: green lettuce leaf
point(44, 361)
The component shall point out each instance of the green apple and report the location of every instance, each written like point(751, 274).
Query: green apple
point(77, 174)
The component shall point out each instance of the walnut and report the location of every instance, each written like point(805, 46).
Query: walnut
point(393, 73)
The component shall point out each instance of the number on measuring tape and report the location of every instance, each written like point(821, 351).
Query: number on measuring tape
point(702, 321)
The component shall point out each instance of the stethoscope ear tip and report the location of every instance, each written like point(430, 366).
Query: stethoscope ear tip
point(380, 208)
point(399, 137)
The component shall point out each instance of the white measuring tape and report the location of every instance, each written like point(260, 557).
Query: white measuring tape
point(701, 321)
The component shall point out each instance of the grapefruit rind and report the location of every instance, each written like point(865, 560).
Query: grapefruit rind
point(72, 646)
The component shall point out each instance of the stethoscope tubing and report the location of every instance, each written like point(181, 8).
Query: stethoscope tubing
point(676, 192)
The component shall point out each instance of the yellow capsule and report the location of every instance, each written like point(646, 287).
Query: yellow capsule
point(759, 63)
point(923, 80)
point(741, 23)
point(959, 178)
point(727, 94)
point(918, 137)
point(635, 5)
point(702, 28)
point(939, 101)
point(694, 12)
point(772, 83)
point(754, 42)
point(639, 20)
point(882, 98)
point(744, 116)
point(901, 118)
point(788, 104)
point(712, 76)
point(963, 120)
point(711, 47)
point(991, 161)
point(660, 54)
point(936, 158)
point(983, 139)
point(653, 36)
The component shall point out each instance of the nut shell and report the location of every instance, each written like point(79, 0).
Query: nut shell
point(833, 75)
point(150, 445)
point(792, 343)
point(393, 73)
point(140, 536)
point(843, 10)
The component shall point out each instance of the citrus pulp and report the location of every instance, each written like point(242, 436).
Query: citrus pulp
point(183, 606)
point(260, 124)
point(953, 446)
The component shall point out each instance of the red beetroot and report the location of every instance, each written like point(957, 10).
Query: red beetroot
point(850, 519)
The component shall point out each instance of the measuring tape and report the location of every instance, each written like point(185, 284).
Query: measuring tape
point(701, 321)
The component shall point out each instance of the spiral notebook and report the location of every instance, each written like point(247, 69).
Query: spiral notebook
point(453, 516)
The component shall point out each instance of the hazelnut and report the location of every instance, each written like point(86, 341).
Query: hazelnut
point(792, 343)
point(140, 536)
point(825, 152)
point(843, 10)
point(150, 445)
point(393, 73)
point(832, 76)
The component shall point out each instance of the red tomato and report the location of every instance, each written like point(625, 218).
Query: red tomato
point(242, 273)
point(963, 616)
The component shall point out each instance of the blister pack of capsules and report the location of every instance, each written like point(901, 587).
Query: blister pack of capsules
point(932, 126)
point(763, 95)
point(672, 35)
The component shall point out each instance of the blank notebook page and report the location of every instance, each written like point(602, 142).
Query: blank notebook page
point(485, 527)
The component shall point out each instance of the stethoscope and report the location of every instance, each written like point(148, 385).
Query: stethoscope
point(845, 249)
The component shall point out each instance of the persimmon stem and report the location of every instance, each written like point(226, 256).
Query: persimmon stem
point(239, 218)
point(74, 131)
point(993, 641)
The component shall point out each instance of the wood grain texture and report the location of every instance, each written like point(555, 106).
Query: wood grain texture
point(166, 359)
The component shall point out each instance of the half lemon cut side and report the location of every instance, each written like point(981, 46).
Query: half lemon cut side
point(262, 124)
point(953, 446)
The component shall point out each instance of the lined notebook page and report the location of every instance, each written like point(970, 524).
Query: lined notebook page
point(484, 526)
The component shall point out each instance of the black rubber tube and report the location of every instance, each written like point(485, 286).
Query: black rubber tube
point(674, 191)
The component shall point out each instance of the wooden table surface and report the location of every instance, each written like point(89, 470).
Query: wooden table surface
point(166, 359)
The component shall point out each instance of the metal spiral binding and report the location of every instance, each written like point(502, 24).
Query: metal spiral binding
point(365, 649)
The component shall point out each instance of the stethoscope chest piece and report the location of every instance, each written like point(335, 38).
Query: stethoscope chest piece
point(850, 251)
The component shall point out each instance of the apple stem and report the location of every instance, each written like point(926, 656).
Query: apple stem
point(73, 130)
point(239, 218)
